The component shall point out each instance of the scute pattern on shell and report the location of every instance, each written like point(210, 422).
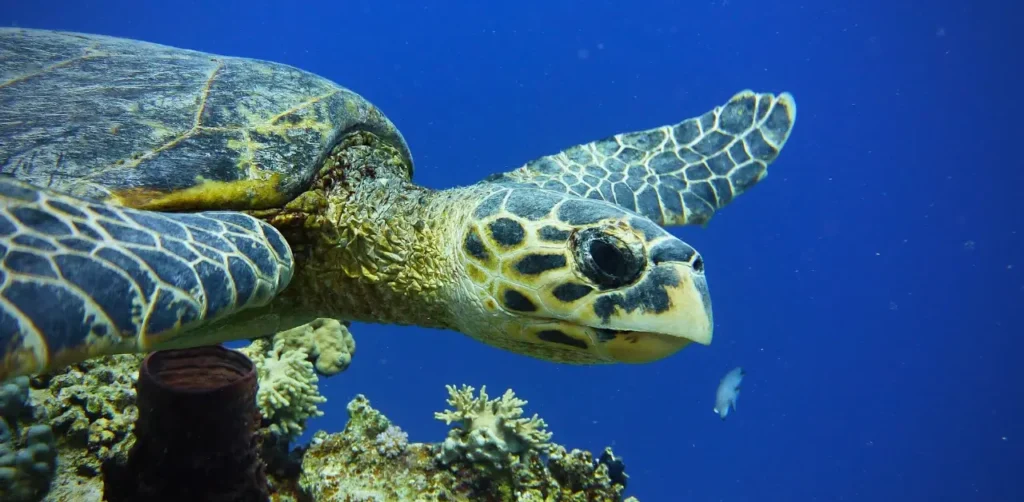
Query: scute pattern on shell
point(101, 117)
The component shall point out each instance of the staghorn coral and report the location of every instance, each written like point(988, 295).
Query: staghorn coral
point(490, 430)
point(28, 453)
point(349, 466)
point(288, 392)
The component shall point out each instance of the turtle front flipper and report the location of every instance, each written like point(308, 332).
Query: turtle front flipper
point(679, 174)
point(80, 278)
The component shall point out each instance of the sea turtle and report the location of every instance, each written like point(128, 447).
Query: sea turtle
point(153, 197)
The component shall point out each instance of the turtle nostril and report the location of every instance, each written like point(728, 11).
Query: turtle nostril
point(698, 264)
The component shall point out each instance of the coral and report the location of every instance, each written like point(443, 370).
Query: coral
point(328, 343)
point(28, 453)
point(392, 442)
point(490, 430)
point(349, 466)
point(288, 393)
point(196, 435)
point(91, 407)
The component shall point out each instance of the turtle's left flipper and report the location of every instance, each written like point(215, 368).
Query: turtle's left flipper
point(82, 278)
point(679, 174)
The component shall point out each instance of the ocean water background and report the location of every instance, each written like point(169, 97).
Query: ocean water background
point(872, 285)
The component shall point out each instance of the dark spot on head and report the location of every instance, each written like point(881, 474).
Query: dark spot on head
point(604, 307)
point(571, 291)
point(673, 250)
point(533, 264)
point(507, 232)
point(474, 246)
point(517, 301)
point(555, 336)
point(490, 205)
point(531, 204)
point(698, 264)
point(650, 229)
point(553, 234)
point(649, 295)
point(586, 211)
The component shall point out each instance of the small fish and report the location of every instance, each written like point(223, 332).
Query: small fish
point(728, 392)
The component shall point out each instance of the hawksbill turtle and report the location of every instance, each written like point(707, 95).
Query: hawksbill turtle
point(153, 197)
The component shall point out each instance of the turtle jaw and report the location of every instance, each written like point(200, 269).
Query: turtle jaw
point(664, 311)
point(659, 316)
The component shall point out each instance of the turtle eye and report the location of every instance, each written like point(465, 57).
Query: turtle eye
point(606, 259)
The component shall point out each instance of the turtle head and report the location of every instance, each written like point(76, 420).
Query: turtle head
point(578, 280)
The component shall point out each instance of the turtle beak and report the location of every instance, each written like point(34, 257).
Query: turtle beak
point(655, 318)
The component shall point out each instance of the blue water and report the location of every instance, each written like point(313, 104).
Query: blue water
point(872, 286)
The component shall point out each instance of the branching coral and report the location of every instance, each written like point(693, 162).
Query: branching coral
point(490, 430)
point(288, 393)
point(288, 364)
point(348, 465)
point(392, 442)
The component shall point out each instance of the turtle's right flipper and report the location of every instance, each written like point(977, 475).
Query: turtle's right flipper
point(81, 278)
point(677, 174)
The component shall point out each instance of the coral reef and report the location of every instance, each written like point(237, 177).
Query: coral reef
point(491, 433)
point(288, 364)
point(91, 406)
point(288, 393)
point(491, 453)
point(196, 435)
point(351, 466)
point(28, 453)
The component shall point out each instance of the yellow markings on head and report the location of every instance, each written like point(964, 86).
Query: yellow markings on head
point(477, 274)
point(208, 194)
point(640, 347)
point(517, 265)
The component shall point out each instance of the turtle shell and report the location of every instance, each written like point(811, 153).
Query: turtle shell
point(156, 127)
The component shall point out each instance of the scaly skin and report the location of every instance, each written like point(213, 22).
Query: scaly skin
point(370, 246)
